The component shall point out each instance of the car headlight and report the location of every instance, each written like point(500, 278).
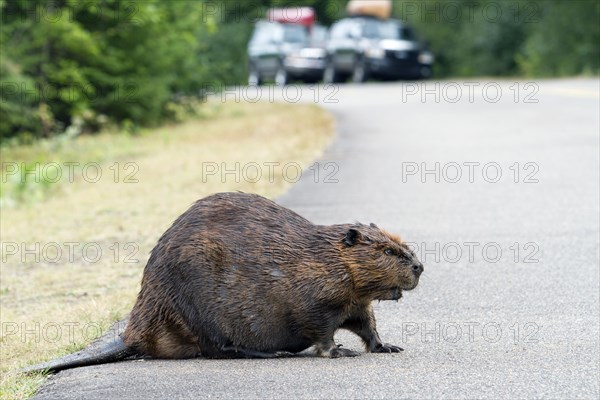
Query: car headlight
point(426, 57)
point(375, 52)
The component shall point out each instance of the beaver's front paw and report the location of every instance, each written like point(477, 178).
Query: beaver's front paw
point(329, 349)
point(338, 352)
point(387, 348)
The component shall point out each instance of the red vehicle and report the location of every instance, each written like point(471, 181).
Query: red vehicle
point(292, 15)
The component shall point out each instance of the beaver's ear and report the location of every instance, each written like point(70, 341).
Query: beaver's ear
point(372, 225)
point(353, 236)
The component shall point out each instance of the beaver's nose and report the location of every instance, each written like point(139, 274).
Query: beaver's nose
point(417, 269)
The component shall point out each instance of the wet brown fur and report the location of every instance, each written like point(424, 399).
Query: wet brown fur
point(239, 276)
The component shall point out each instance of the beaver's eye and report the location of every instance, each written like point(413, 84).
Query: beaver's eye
point(389, 252)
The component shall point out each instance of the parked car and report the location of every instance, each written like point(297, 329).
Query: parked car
point(270, 44)
point(308, 63)
point(288, 45)
point(362, 47)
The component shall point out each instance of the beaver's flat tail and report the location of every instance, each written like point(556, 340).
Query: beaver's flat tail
point(106, 353)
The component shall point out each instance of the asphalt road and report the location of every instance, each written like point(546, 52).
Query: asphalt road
point(508, 305)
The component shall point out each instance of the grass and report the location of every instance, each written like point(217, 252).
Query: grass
point(61, 301)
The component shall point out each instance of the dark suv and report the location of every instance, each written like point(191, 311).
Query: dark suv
point(363, 47)
point(283, 51)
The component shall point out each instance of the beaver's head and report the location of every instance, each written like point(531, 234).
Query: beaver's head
point(382, 266)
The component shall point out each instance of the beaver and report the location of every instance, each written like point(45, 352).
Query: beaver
point(239, 276)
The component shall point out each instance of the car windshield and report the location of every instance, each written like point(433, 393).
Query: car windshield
point(294, 34)
point(389, 30)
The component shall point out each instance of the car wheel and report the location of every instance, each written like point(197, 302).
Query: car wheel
point(330, 75)
point(281, 76)
point(360, 75)
point(254, 78)
point(425, 72)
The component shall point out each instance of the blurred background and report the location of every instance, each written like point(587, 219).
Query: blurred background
point(86, 65)
point(111, 126)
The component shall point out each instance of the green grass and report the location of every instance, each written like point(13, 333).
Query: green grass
point(113, 214)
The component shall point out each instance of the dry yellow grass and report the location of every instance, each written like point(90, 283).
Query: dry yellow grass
point(51, 308)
